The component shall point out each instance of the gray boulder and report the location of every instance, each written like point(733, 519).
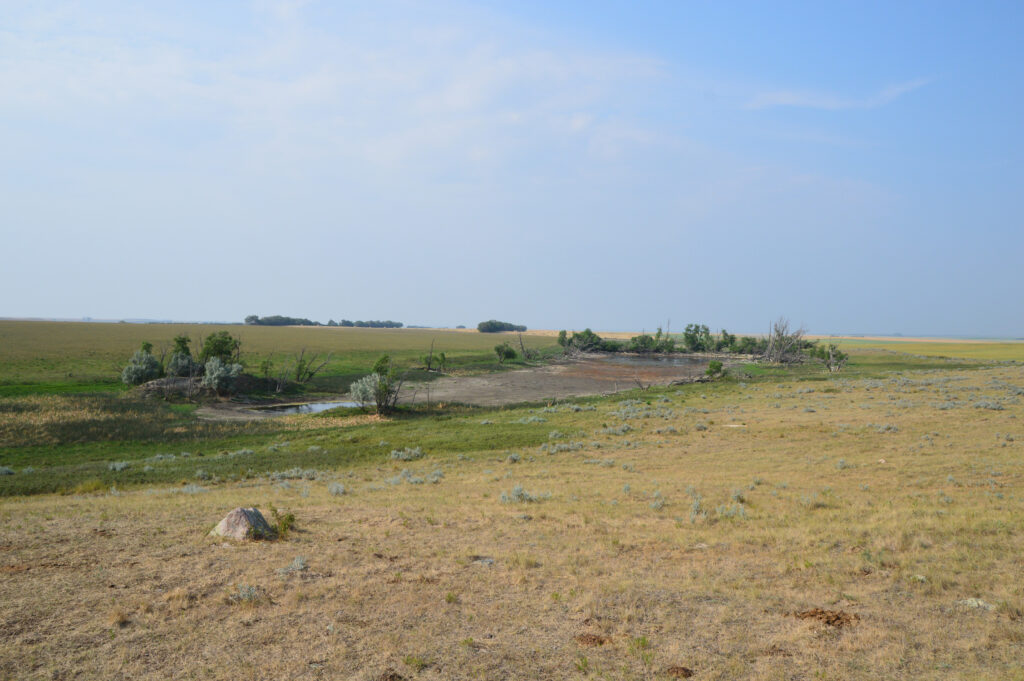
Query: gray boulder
point(243, 523)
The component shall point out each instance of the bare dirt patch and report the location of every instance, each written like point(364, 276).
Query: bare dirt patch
point(589, 375)
point(833, 618)
point(592, 640)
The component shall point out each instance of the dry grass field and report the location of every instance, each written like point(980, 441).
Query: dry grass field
point(838, 528)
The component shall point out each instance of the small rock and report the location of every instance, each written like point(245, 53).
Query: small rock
point(976, 603)
point(243, 523)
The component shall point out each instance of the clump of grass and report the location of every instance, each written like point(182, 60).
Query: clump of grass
point(616, 430)
point(530, 419)
point(985, 404)
point(731, 511)
point(295, 474)
point(700, 426)
point(416, 663)
point(202, 475)
point(513, 458)
point(885, 427)
point(607, 463)
point(406, 476)
point(336, 489)
point(843, 465)
point(297, 565)
point(119, 617)
point(190, 488)
point(247, 595)
point(407, 454)
point(518, 495)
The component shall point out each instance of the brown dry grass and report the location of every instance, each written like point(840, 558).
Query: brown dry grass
point(446, 582)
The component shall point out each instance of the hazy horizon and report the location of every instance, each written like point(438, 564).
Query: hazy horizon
point(856, 169)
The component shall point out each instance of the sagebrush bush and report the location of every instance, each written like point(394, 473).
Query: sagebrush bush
point(220, 376)
point(182, 365)
point(142, 367)
point(364, 390)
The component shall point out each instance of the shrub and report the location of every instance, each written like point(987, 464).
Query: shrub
point(407, 454)
point(222, 346)
point(379, 388)
point(118, 466)
point(518, 495)
point(504, 351)
point(182, 365)
point(142, 367)
point(336, 489)
point(220, 376)
point(714, 368)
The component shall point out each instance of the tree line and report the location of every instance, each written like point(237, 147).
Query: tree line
point(280, 320)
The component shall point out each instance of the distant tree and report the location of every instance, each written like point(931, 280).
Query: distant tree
point(494, 326)
point(331, 322)
point(346, 322)
point(726, 341)
point(563, 338)
point(252, 319)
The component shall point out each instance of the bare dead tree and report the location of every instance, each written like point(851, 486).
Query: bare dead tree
point(527, 354)
point(783, 342)
point(306, 369)
point(640, 384)
point(429, 359)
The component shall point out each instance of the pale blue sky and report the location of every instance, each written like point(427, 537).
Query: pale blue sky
point(856, 167)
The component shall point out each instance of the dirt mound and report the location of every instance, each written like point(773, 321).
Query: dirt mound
point(592, 640)
point(833, 618)
point(679, 672)
point(390, 675)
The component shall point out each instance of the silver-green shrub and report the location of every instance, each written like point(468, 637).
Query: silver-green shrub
point(220, 376)
point(142, 367)
point(181, 364)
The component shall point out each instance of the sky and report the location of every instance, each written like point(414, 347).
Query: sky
point(855, 167)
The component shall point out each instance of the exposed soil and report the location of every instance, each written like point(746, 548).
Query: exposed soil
point(587, 375)
point(576, 377)
point(592, 640)
point(833, 618)
point(679, 672)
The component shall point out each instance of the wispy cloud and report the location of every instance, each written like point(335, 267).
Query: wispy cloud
point(827, 101)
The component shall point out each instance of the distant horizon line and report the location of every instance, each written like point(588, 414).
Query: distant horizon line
point(897, 336)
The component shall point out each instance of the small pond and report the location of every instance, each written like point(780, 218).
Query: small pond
point(307, 408)
point(657, 360)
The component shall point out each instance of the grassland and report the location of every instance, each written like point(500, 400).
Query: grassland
point(50, 357)
point(936, 347)
point(621, 537)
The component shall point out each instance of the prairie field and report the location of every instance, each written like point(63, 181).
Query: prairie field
point(777, 524)
point(81, 356)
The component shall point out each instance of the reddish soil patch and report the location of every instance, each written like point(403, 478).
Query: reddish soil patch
point(592, 640)
point(833, 618)
point(587, 375)
point(679, 672)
